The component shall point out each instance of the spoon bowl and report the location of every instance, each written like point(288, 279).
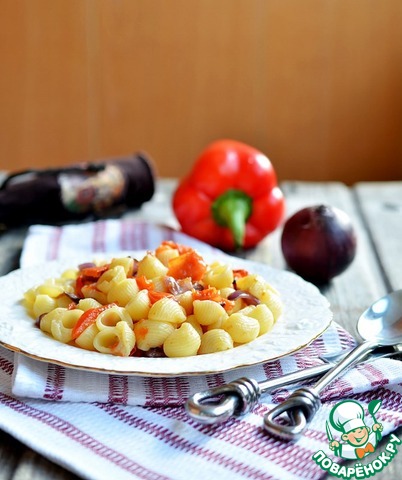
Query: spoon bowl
point(380, 325)
point(382, 321)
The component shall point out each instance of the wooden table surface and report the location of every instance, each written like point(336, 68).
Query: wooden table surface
point(376, 211)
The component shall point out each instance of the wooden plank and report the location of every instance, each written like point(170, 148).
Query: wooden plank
point(381, 206)
point(35, 467)
point(11, 243)
point(10, 453)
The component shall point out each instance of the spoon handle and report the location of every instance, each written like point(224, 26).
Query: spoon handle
point(303, 404)
point(356, 355)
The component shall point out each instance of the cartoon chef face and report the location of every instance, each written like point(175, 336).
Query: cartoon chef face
point(348, 417)
point(357, 437)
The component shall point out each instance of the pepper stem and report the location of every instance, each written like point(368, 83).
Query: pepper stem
point(232, 209)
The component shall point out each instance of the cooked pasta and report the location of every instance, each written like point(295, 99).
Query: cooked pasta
point(219, 275)
point(112, 316)
point(151, 267)
point(62, 326)
point(170, 301)
point(182, 342)
point(152, 333)
point(139, 306)
point(216, 340)
point(118, 340)
point(208, 312)
point(241, 328)
point(167, 310)
point(87, 337)
point(122, 292)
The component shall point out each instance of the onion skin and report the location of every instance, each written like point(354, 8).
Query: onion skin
point(249, 298)
point(319, 243)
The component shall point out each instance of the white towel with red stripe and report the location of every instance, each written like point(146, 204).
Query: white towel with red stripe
point(110, 426)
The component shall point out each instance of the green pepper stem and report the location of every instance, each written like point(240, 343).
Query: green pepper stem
point(232, 209)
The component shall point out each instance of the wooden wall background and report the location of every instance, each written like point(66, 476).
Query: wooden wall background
point(315, 84)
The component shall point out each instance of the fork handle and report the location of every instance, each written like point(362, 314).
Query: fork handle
point(221, 403)
point(300, 408)
point(303, 404)
point(240, 396)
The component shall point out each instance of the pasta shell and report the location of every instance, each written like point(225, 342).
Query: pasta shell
point(87, 303)
point(241, 328)
point(63, 323)
point(151, 333)
point(216, 340)
point(43, 304)
point(219, 275)
point(151, 267)
point(118, 340)
point(193, 322)
point(182, 342)
point(167, 310)
point(86, 339)
point(112, 316)
point(126, 262)
point(264, 316)
point(122, 292)
point(167, 254)
point(110, 278)
point(138, 307)
point(207, 312)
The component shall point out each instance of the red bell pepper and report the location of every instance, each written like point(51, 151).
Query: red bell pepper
point(231, 198)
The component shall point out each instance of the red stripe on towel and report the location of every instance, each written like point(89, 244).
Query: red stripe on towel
point(56, 376)
point(98, 237)
point(118, 389)
point(79, 436)
point(54, 244)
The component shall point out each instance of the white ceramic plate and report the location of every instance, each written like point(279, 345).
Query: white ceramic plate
point(306, 316)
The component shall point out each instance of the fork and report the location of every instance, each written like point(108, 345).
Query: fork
point(240, 396)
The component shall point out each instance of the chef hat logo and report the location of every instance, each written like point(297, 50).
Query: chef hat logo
point(347, 416)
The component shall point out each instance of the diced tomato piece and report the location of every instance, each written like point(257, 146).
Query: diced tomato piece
point(79, 283)
point(94, 272)
point(240, 273)
point(189, 264)
point(143, 283)
point(88, 318)
point(154, 296)
point(212, 293)
point(87, 276)
point(170, 245)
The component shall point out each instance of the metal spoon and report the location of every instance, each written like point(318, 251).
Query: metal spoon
point(379, 325)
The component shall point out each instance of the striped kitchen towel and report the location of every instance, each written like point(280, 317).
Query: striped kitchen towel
point(137, 428)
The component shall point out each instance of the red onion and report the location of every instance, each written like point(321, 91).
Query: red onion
point(82, 266)
point(319, 243)
point(72, 296)
point(246, 296)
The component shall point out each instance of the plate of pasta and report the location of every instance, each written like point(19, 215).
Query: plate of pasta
point(168, 312)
